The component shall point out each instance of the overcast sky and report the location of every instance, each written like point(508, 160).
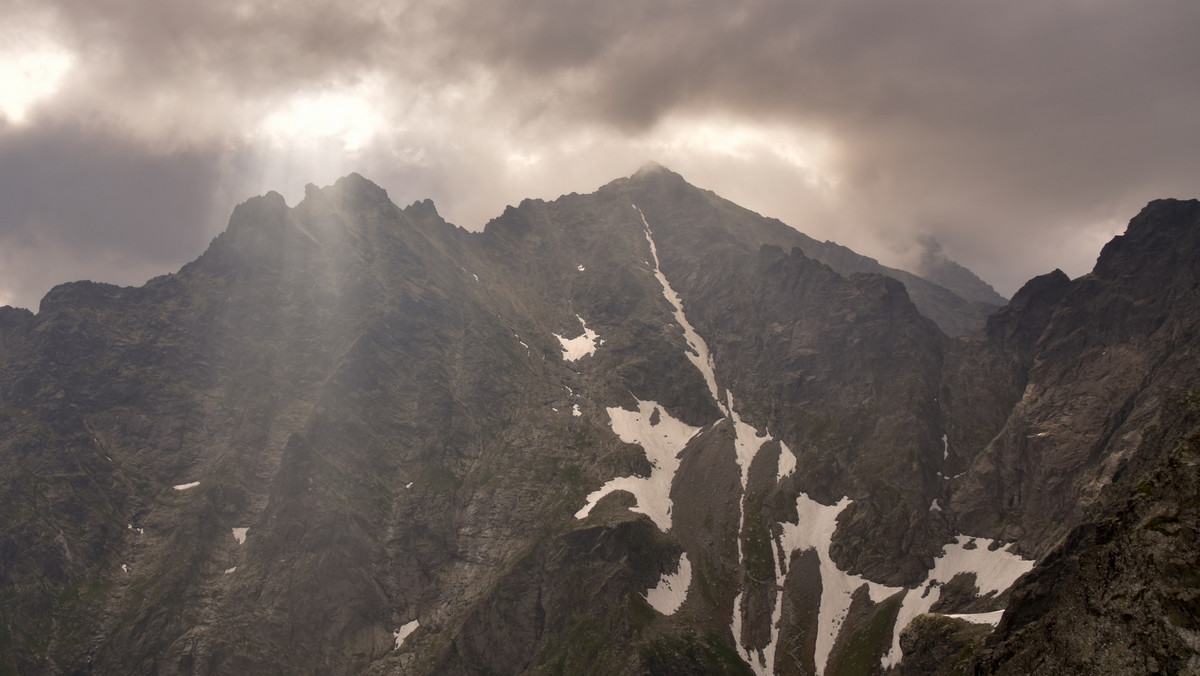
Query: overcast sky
point(1021, 135)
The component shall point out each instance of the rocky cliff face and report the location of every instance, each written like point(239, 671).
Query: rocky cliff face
point(636, 431)
point(1094, 468)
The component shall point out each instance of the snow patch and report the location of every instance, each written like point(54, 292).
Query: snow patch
point(580, 268)
point(787, 461)
point(230, 570)
point(662, 443)
point(580, 346)
point(403, 633)
point(672, 589)
point(575, 410)
point(995, 570)
point(124, 568)
point(992, 618)
point(408, 485)
point(239, 534)
point(945, 446)
point(934, 506)
point(184, 487)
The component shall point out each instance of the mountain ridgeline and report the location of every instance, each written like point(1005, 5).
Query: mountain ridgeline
point(640, 431)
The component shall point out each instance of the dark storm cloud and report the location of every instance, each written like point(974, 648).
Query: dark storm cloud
point(91, 193)
point(970, 121)
point(99, 205)
point(1020, 135)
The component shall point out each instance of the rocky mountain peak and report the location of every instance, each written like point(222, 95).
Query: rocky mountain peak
point(355, 188)
point(642, 430)
point(1022, 320)
point(1161, 237)
point(651, 168)
point(938, 268)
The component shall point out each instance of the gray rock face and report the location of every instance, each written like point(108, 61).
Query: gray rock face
point(637, 431)
point(1119, 594)
point(1112, 350)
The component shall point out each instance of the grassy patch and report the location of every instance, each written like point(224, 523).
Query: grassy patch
point(641, 614)
point(689, 654)
point(440, 480)
point(573, 475)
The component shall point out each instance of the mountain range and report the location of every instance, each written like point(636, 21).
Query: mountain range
point(638, 431)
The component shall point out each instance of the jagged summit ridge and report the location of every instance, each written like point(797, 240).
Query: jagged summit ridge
point(640, 430)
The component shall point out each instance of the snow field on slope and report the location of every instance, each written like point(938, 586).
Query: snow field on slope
point(672, 589)
point(576, 348)
point(239, 534)
point(662, 443)
point(992, 618)
point(994, 571)
point(814, 530)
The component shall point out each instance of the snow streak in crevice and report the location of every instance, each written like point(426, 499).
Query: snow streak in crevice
point(995, 570)
point(698, 352)
point(749, 441)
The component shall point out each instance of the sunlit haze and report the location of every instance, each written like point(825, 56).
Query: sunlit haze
point(1020, 137)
